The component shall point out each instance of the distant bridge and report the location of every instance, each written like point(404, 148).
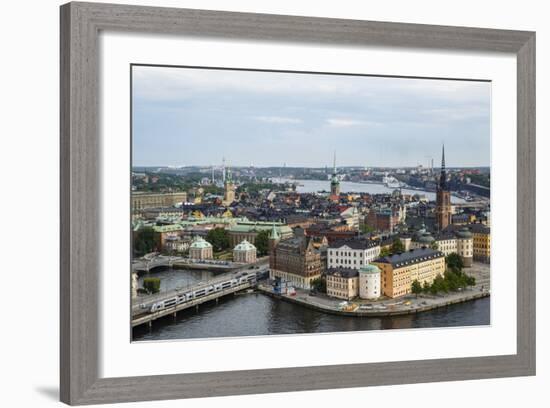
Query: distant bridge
point(148, 263)
point(480, 204)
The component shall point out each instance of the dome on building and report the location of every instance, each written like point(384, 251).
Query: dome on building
point(200, 243)
point(370, 268)
point(464, 233)
point(420, 231)
point(245, 246)
point(426, 238)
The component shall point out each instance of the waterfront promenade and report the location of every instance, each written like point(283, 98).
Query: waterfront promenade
point(391, 307)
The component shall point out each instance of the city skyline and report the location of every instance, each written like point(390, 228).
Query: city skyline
point(186, 117)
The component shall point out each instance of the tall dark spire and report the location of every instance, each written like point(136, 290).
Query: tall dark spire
point(443, 176)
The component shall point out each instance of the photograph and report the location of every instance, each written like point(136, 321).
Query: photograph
point(291, 203)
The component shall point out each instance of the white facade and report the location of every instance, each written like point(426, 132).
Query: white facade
point(447, 245)
point(351, 217)
point(369, 282)
point(134, 284)
point(245, 252)
point(200, 249)
point(465, 248)
point(462, 244)
point(347, 257)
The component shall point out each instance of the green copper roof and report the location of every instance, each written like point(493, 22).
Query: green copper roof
point(464, 233)
point(274, 233)
point(200, 243)
point(167, 228)
point(245, 246)
point(370, 268)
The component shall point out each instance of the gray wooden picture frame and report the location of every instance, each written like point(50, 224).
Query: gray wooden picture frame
point(80, 192)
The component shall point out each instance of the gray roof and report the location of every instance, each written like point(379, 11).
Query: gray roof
point(354, 243)
point(342, 272)
point(410, 257)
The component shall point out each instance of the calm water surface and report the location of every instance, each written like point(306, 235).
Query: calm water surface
point(256, 314)
point(314, 186)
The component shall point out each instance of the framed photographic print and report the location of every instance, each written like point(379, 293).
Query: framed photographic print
point(251, 192)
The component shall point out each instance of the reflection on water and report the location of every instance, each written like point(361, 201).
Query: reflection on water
point(256, 314)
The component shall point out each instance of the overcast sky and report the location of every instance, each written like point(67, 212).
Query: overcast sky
point(186, 116)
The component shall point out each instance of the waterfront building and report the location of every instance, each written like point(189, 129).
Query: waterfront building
point(143, 200)
point(134, 285)
point(370, 282)
point(163, 233)
point(178, 245)
point(399, 271)
point(229, 189)
point(443, 209)
point(245, 252)
point(273, 241)
point(342, 283)
point(352, 253)
point(201, 249)
point(294, 260)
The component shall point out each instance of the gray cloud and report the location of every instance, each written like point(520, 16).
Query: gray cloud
point(194, 116)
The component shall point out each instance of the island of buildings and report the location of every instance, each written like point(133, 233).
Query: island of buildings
point(361, 245)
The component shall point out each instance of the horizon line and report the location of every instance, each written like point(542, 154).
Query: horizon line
point(300, 167)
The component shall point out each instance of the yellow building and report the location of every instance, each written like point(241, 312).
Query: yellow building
point(142, 200)
point(399, 271)
point(342, 283)
point(482, 242)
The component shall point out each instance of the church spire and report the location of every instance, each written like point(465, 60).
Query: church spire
point(443, 176)
point(274, 233)
point(334, 164)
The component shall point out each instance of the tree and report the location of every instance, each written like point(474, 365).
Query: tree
point(385, 252)
point(416, 287)
point(452, 279)
point(144, 241)
point(434, 245)
point(426, 287)
point(319, 285)
point(438, 285)
point(397, 246)
point(366, 229)
point(151, 285)
point(219, 238)
point(454, 262)
point(262, 243)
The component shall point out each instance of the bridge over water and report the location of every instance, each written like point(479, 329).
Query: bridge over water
point(148, 263)
point(142, 312)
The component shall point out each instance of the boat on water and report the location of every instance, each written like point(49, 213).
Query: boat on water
point(392, 182)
